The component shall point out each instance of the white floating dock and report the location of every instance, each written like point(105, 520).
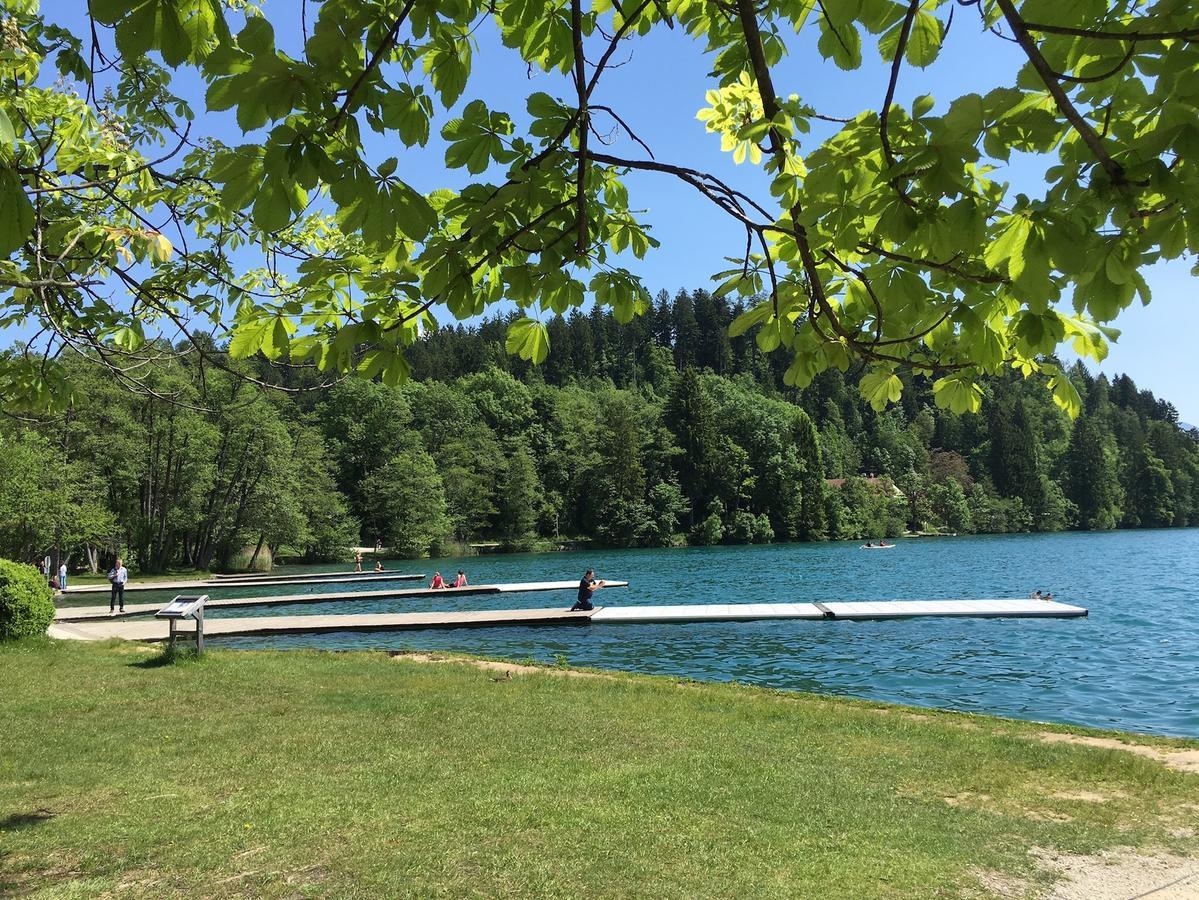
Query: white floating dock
point(283, 576)
point(851, 610)
point(604, 615)
point(255, 582)
point(89, 613)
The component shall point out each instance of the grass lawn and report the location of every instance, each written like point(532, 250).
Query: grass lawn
point(355, 774)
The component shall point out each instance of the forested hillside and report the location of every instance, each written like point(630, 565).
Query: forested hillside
point(664, 430)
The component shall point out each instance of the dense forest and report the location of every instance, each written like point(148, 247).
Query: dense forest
point(661, 431)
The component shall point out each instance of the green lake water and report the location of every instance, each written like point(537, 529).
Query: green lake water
point(1133, 664)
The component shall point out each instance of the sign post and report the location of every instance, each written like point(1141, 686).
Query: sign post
point(185, 607)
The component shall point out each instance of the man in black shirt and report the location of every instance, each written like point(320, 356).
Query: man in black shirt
point(587, 587)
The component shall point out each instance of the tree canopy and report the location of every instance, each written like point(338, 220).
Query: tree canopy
point(886, 236)
point(610, 440)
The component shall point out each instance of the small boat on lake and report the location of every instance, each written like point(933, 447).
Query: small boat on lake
point(879, 546)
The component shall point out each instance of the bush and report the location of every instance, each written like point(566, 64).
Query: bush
point(26, 601)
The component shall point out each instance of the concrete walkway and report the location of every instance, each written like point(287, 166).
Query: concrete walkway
point(89, 613)
point(156, 630)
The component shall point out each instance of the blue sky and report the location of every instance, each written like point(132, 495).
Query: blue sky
point(658, 91)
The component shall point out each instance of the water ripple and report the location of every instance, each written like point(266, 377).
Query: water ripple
point(1131, 665)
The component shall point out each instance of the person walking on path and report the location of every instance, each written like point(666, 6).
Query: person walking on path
point(118, 575)
point(587, 587)
point(62, 575)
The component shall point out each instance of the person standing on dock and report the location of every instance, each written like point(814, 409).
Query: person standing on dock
point(118, 576)
point(587, 587)
point(357, 560)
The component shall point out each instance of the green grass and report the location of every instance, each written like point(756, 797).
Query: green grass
point(353, 774)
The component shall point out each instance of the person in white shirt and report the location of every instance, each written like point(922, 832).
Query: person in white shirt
point(118, 575)
point(62, 577)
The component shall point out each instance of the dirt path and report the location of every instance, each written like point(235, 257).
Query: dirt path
point(1122, 875)
point(505, 668)
point(1181, 760)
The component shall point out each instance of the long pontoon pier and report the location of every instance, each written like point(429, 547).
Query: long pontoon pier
point(339, 578)
point(604, 615)
point(283, 576)
point(88, 613)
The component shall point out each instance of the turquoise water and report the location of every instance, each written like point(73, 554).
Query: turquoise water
point(1133, 664)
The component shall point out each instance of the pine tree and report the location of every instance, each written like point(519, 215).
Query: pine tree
point(690, 417)
point(1150, 501)
point(811, 524)
point(518, 495)
point(1014, 458)
point(662, 327)
point(623, 518)
point(686, 331)
point(1090, 477)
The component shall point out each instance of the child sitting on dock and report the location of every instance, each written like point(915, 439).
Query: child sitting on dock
point(438, 581)
point(460, 581)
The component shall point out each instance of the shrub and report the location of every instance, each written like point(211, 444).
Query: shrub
point(26, 601)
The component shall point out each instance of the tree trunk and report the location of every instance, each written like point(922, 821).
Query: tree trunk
point(257, 550)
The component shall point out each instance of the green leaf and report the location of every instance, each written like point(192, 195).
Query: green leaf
point(1009, 246)
point(842, 44)
point(924, 43)
point(408, 110)
point(109, 12)
point(880, 388)
point(528, 339)
point(1065, 395)
point(272, 210)
point(397, 371)
point(922, 105)
point(755, 315)
point(8, 136)
point(1117, 271)
point(447, 63)
point(249, 337)
point(16, 213)
point(958, 393)
point(475, 138)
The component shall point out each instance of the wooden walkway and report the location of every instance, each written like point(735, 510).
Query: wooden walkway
point(89, 613)
point(255, 582)
point(156, 630)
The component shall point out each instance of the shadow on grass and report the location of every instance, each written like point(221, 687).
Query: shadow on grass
point(17, 821)
point(177, 656)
